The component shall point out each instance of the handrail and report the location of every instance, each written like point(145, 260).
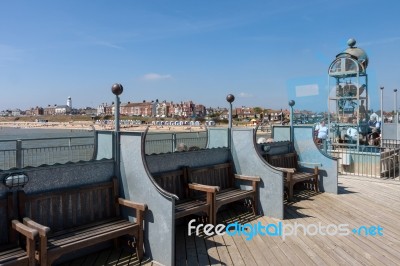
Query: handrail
point(39, 151)
point(52, 138)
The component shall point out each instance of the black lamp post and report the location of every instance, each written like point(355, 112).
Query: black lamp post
point(230, 98)
point(117, 90)
point(395, 114)
point(382, 114)
point(291, 104)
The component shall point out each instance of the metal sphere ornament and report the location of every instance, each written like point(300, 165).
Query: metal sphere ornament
point(230, 98)
point(351, 42)
point(291, 103)
point(117, 89)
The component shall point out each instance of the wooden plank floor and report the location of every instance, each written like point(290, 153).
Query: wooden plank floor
point(361, 201)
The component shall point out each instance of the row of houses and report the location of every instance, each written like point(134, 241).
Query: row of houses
point(155, 109)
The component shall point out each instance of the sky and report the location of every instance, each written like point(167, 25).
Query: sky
point(181, 50)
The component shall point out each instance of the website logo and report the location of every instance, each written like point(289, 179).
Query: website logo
point(282, 230)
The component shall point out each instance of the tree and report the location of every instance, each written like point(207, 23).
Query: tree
point(258, 111)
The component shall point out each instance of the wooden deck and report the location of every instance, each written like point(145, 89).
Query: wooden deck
point(361, 201)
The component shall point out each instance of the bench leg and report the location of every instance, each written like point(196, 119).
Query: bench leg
point(290, 192)
point(255, 207)
point(316, 185)
point(316, 177)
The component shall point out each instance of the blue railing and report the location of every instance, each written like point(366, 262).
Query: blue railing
point(364, 160)
point(169, 142)
point(35, 152)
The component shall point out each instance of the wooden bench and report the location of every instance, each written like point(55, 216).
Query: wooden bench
point(176, 182)
point(222, 176)
point(10, 252)
point(70, 219)
point(288, 163)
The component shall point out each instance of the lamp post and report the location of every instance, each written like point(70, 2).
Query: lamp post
point(395, 113)
point(116, 89)
point(230, 98)
point(381, 114)
point(291, 104)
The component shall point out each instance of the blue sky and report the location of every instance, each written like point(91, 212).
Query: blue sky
point(189, 50)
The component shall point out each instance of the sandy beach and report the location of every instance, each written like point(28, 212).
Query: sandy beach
point(87, 125)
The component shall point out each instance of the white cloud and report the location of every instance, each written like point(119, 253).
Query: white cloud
point(155, 76)
point(245, 95)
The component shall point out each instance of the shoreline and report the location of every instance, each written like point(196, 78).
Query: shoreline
point(90, 126)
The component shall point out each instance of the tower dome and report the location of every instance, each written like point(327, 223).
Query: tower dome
point(351, 62)
point(359, 54)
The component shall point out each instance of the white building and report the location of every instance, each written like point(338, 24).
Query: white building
point(62, 109)
point(69, 102)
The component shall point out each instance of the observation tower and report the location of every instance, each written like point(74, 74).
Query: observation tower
point(348, 95)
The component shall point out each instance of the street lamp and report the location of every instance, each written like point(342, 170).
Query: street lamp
point(230, 98)
point(117, 90)
point(381, 126)
point(395, 113)
point(291, 104)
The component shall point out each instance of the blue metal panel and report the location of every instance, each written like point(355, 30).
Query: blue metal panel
point(281, 133)
point(104, 145)
point(310, 155)
point(248, 162)
point(217, 138)
point(174, 161)
point(52, 177)
point(137, 185)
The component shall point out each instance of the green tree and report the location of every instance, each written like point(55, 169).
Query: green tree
point(257, 111)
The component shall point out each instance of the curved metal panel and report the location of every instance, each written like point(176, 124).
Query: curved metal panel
point(247, 161)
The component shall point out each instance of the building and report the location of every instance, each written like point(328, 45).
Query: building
point(69, 102)
point(62, 110)
point(35, 111)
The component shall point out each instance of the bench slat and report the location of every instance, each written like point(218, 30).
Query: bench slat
point(78, 218)
point(290, 160)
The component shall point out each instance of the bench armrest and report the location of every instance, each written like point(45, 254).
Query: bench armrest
point(132, 204)
point(309, 164)
point(248, 178)
point(43, 230)
point(24, 230)
point(286, 170)
point(204, 188)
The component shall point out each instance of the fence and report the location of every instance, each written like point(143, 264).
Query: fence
point(35, 152)
point(371, 161)
point(168, 142)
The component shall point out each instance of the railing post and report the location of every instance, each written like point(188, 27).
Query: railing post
point(230, 98)
point(173, 142)
point(117, 89)
point(18, 155)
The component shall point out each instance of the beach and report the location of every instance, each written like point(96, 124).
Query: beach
point(89, 125)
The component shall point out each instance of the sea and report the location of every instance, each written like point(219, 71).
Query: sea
point(50, 146)
point(14, 133)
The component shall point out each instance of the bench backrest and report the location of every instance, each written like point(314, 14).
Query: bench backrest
point(288, 160)
point(69, 207)
point(214, 175)
point(174, 182)
point(5, 219)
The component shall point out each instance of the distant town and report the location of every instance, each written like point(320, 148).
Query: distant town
point(165, 110)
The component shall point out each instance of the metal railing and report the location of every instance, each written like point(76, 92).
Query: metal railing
point(35, 152)
point(371, 161)
point(168, 142)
